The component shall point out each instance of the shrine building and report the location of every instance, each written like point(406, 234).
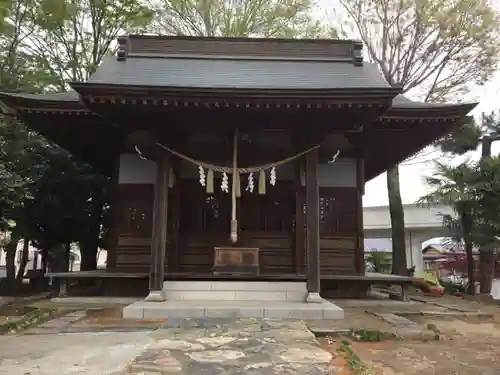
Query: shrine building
point(239, 168)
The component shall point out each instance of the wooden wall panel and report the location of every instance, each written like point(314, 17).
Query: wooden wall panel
point(339, 230)
point(134, 226)
point(276, 257)
point(194, 244)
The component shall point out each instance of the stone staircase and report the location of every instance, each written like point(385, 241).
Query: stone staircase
point(226, 299)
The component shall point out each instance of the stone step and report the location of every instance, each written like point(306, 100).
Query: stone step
point(234, 291)
point(257, 286)
point(232, 309)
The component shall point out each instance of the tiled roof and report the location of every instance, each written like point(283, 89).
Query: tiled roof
point(402, 101)
point(237, 73)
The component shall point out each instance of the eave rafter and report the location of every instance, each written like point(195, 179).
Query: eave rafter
point(98, 94)
point(393, 141)
point(276, 103)
point(56, 111)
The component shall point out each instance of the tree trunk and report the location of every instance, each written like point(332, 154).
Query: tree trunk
point(486, 258)
point(67, 256)
point(88, 251)
point(89, 247)
point(486, 262)
point(10, 255)
point(467, 230)
point(45, 260)
point(24, 259)
point(59, 256)
point(397, 222)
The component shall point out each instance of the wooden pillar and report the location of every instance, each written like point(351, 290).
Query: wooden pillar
point(159, 235)
point(360, 185)
point(300, 235)
point(113, 231)
point(312, 225)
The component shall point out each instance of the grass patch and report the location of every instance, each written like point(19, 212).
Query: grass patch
point(371, 335)
point(353, 361)
point(14, 318)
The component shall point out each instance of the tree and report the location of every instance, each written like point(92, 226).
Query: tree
point(454, 186)
point(20, 159)
point(72, 37)
point(487, 218)
point(240, 18)
point(466, 139)
point(435, 47)
point(473, 190)
point(70, 40)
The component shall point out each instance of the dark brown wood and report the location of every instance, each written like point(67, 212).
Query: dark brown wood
point(300, 235)
point(312, 223)
point(360, 184)
point(160, 217)
point(173, 263)
point(103, 274)
point(113, 230)
point(135, 204)
point(264, 225)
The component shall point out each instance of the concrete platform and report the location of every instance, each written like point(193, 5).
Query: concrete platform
point(295, 291)
point(232, 309)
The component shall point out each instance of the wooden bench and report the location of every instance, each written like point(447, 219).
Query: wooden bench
point(64, 277)
point(370, 279)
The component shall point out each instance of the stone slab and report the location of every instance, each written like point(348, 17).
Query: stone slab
point(233, 346)
point(236, 286)
point(232, 309)
point(93, 301)
point(241, 295)
point(396, 320)
point(235, 291)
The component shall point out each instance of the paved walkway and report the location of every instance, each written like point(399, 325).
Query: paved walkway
point(197, 346)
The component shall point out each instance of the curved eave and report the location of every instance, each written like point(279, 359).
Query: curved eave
point(107, 90)
point(390, 142)
point(39, 103)
point(431, 112)
point(83, 134)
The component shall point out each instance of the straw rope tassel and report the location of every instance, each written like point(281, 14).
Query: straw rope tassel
point(234, 224)
point(262, 182)
point(238, 185)
point(302, 174)
point(171, 178)
point(210, 181)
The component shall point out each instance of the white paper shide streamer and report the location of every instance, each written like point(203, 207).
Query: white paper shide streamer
point(224, 186)
point(203, 179)
point(251, 183)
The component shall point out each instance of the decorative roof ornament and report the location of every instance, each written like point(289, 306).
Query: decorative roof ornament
point(139, 153)
point(334, 157)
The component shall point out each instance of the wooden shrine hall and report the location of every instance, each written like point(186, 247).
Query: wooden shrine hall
point(236, 159)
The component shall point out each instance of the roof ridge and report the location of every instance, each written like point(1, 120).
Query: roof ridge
point(239, 58)
point(281, 49)
point(242, 39)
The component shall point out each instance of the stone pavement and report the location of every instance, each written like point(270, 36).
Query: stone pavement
point(205, 346)
point(231, 347)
